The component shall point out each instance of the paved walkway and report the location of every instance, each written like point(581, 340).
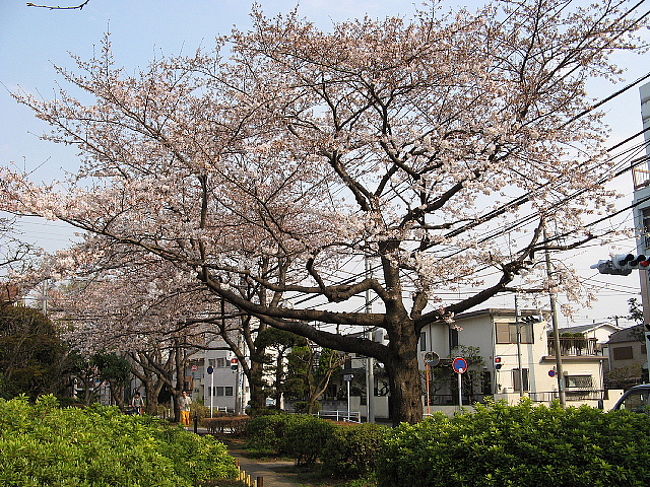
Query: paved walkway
point(274, 471)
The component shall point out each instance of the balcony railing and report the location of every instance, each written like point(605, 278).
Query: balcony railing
point(571, 395)
point(641, 177)
point(575, 346)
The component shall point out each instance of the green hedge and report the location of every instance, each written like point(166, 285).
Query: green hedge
point(42, 445)
point(265, 434)
point(520, 446)
point(306, 437)
point(346, 450)
point(301, 436)
point(353, 450)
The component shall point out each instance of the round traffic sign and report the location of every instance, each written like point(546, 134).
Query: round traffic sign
point(210, 369)
point(551, 373)
point(459, 365)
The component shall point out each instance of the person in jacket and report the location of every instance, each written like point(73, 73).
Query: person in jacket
point(184, 404)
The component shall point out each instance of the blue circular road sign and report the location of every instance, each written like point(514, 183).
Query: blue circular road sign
point(459, 365)
point(210, 369)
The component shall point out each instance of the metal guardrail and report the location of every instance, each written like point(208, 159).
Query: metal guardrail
point(571, 395)
point(353, 417)
point(576, 346)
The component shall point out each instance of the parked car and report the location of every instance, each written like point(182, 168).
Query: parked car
point(636, 399)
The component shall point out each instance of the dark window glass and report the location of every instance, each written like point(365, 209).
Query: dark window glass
point(622, 353)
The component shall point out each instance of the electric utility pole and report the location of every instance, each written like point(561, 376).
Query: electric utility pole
point(556, 331)
point(518, 326)
point(370, 373)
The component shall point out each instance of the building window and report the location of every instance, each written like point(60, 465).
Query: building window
point(423, 341)
point(221, 362)
point(623, 353)
point(219, 391)
point(578, 381)
point(515, 379)
point(453, 338)
point(507, 332)
point(211, 362)
point(228, 390)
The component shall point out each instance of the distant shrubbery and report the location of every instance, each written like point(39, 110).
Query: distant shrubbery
point(497, 445)
point(224, 423)
point(520, 446)
point(345, 450)
point(42, 445)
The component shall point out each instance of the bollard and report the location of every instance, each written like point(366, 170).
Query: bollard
point(259, 482)
point(196, 424)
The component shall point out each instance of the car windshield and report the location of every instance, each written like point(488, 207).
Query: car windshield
point(638, 401)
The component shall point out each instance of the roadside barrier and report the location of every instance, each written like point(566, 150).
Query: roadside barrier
point(248, 479)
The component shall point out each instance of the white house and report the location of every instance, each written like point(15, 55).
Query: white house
point(226, 389)
point(494, 332)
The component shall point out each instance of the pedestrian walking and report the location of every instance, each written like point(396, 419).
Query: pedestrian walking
point(137, 404)
point(184, 403)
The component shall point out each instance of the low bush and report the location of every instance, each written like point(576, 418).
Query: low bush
point(520, 446)
point(42, 445)
point(306, 437)
point(265, 434)
point(301, 436)
point(199, 410)
point(353, 450)
point(235, 425)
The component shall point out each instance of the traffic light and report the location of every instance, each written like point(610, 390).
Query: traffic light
point(607, 267)
point(622, 264)
point(630, 261)
point(530, 319)
point(234, 363)
point(497, 363)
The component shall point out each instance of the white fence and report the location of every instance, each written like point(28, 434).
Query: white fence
point(353, 417)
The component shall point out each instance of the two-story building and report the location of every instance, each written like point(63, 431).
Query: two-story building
point(511, 367)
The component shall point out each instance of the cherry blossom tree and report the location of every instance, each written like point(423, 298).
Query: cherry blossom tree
point(414, 145)
point(119, 299)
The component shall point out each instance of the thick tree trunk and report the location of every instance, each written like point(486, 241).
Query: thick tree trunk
point(279, 375)
point(404, 379)
point(258, 399)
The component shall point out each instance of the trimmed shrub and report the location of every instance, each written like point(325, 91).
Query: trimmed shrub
point(301, 436)
point(42, 445)
point(235, 425)
point(305, 438)
point(520, 446)
point(353, 450)
point(265, 434)
point(199, 410)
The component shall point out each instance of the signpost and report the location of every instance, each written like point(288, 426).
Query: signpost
point(460, 367)
point(431, 359)
point(647, 350)
point(209, 370)
point(348, 379)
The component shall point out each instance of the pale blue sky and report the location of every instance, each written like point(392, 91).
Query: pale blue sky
point(33, 39)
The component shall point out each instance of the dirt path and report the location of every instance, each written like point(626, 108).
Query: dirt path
point(274, 472)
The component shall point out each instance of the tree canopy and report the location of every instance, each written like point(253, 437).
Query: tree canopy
point(267, 169)
point(33, 359)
